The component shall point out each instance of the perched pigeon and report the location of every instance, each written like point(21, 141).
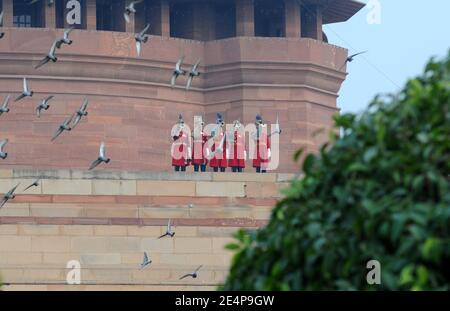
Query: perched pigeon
point(9, 195)
point(192, 74)
point(81, 113)
point(34, 184)
point(5, 107)
point(130, 9)
point(2, 34)
point(101, 157)
point(141, 38)
point(169, 231)
point(51, 56)
point(65, 39)
point(65, 126)
point(178, 71)
point(26, 91)
point(145, 261)
point(3, 155)
point(44, 105)
point(193, 275)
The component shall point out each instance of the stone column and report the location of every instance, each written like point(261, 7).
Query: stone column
point(203, 26)
point(165, 18)
point(8, 13)
point(91, 15)
point(292, 19)
point(50, 15)
point(319, 22)
point(245, 18)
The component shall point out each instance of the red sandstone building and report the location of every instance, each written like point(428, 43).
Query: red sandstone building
point(263, 57)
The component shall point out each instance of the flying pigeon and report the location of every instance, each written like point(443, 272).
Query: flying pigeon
point(65, 39)
point(193, 275)
point(26, 91)
point(3, 155)
point(352, 58)
point(101, 157)
point(2, 34)
point(141, 38)
point(9, 195)
point(5, 107)
point(169, 231)
point(49, 2)
point(178, 71)
point(43, 105)
point(34, 184)
point(192, 74)
point(145, 261)
point(130, 9)
point(51, 56)
point(81, 113)
point(65, 126)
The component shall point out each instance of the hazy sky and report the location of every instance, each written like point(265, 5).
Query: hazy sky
point(411, 31)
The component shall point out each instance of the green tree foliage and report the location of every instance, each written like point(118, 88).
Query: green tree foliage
point(380, 191)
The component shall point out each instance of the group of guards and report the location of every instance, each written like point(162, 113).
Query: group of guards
point(225, 150)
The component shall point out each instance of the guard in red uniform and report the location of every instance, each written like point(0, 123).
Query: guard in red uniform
point(218, 149)
point(200, 151)
point(238, 155)
point(180, 147)
point(262, 154)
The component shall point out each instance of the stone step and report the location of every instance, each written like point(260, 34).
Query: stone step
point(109, 275)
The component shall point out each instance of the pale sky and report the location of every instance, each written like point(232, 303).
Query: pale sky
point(411, 31)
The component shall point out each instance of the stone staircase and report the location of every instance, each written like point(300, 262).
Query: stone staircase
point(106, 220)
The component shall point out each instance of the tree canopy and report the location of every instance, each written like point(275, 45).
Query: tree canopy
point(380, 191)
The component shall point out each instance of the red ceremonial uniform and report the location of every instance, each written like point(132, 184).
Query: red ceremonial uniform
point(180, 149)
point(261, 156)
point(237, 155)
point(219, 159)
point(198, 150)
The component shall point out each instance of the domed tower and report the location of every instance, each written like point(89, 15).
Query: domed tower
point(267, 57)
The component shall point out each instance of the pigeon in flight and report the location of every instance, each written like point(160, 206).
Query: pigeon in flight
point(192, 74)
point(81, 113)
point(49, 2)
point(145, 261)
point(3, 155)
point(2, 34)
point(51, 56)
point(141, 38)
point(169, 231)
point(193, 275)
point(65, 39)
point(65, 126)
point(44, 105)
point(5, 107)
point(34, 184)
point(9, 195)
point(26, 91)
point(178, 71)
point(130, 9)
point(352, 58)
point(101, 157)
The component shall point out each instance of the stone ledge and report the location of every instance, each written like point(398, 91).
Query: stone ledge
point(142, 175)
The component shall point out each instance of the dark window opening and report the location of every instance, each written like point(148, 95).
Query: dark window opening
point(28, 15)
point(269, 18)
point(225, 17)
point(309, 22)
point(75, 16)
point(149, 12)
point(181, 20)
point(110, 15)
